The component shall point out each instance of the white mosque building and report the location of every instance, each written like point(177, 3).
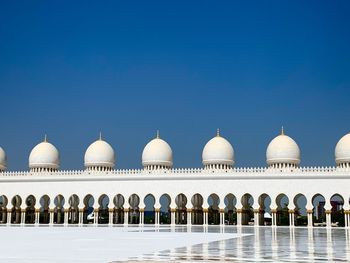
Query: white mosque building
point(281, 194)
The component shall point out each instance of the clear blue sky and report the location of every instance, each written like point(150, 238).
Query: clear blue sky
point(128, 68)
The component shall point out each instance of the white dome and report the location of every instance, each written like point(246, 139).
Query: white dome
point(218, 151)
point(3, 160)
point(342, 150)
point(99, 154)
point(44, 155)
point(283, 149)
point(157, 152)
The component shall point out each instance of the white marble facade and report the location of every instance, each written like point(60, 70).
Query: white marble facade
point(283, 193)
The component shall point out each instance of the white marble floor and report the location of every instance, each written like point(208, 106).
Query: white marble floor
point(95, 244)
point(205, 244)
point(266, 244)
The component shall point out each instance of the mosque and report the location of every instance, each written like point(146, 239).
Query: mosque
point(280, 194)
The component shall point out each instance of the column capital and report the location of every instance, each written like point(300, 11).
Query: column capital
point(256, 210)
point(157, 209)
point(189, 210)
point(239, 210)
point(126, 209)
point(172, 210)
point(328, 211)
point(205, 210)
point(273, 210)
point(222, 210)
point(291, 211)
point(37, 210)
point(310, 211)
point(142, 210)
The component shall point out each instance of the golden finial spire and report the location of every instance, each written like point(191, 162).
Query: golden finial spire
point(100, 138)
point(45, 138)
point(282, 131)
point(218, 132)
point(157, 134)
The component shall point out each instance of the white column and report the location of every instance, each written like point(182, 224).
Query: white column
point(239, 217)
point(142, 216)
point(51, 215)
point(9, 215)
point(172, 216)
point(37, 215)
point(81, 216)
point(110, 216)
point(222, 217)
point(65, 217)
point(23, 216)
point(274, 217)
point(328, 218)
point(291, 217)
point(256, 217)
point(205, 216)
point(96, 217)
point(309, 218)
point(126, 216)
point(158, 217)
point(189, 217)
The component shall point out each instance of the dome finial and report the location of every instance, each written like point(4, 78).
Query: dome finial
point(218, 132)
point(100, 138)
point(157, 136)
point(45, 138)
point(282, 131)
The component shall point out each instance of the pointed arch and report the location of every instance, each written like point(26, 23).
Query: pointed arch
point(134, 209)
point(118, 211)
point(197, 209)
point(337, 211)
point(16, 213)
point(165, 210)
point(59, 209)
point(181, 210)
point(282, 215)
point(230, 209)
point(300, 211)
point(3, 209)
point(44, 214)
point(149, 212)
point(73, 210)
point(247, 201)
point(319, 211)
point(213, 210)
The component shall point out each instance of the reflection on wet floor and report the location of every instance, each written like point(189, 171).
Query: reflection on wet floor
point(264, 244)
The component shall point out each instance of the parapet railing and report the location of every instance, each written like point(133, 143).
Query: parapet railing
point(184, 171)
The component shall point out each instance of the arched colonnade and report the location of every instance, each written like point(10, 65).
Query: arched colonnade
point(181, 209)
